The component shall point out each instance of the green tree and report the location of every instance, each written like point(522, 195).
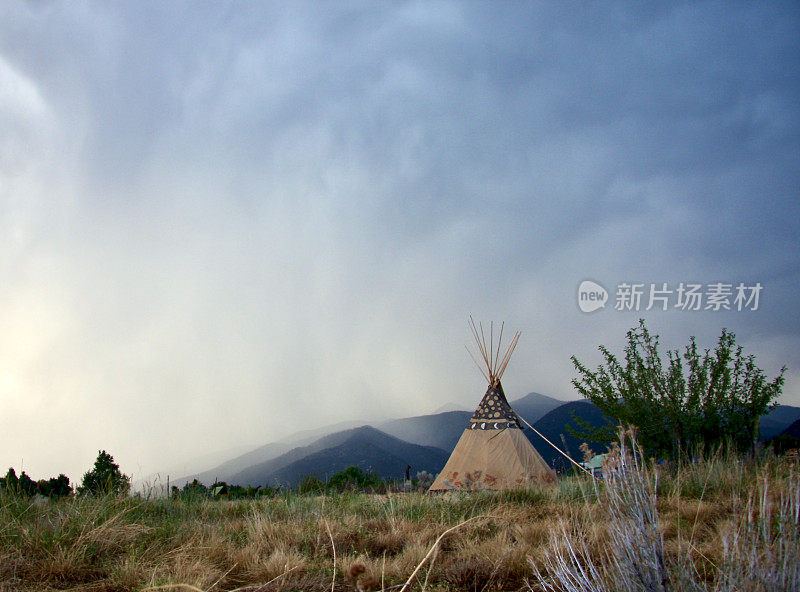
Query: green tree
point(22, 485)
point(105, 477)
point(195, 489)
point(10, 483)
point(311, 484)
point(354, 478)
point(55, 486)
point(690, 399)
point(27, 486)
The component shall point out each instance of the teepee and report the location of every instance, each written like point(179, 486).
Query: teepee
point(493, 453)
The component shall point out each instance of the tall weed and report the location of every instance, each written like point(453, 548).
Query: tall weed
point(758, 548)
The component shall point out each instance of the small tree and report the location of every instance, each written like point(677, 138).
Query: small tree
point(688, 400)
point(27, 486)
point(22, 485)
point(10, 483)
point(105, 477)
point(55, 486)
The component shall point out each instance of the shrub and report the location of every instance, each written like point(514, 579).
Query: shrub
point(311, 484)
point(784, 442)
point(353, 478)
point(55, 486)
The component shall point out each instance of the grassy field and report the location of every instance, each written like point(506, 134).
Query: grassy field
point(719, 524)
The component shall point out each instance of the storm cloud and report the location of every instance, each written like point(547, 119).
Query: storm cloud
point(224, 223)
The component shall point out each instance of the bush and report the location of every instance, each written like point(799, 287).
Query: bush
point(353, 478)
point(55, 486)
point(192, 490)
point(311, 484)
point(783, 442)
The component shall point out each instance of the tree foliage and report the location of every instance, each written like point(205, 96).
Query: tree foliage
point(354, 478)
point(783, 442)
point(311, 484)
point(689, 399)
point(10, 483)
point(195, 488)
point(55, 486)
point(105, 477)
point(22, 485)
point(351, 478)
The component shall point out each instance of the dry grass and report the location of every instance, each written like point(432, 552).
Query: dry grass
point(727, 524)
point(741, 533)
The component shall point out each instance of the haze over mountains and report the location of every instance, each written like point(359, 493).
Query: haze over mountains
point(424, 442)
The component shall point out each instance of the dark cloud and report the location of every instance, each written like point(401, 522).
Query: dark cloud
point(210, 210)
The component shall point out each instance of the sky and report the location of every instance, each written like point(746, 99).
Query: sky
point(224, 222)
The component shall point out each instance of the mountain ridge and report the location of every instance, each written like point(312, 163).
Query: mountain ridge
point(366, 447)
point(433, 435)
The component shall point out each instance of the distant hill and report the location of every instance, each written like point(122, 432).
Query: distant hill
point(365, 447)
point(251, 474)
point(793, 430)
point(224, 471)
point(777, 420)
point(450, 407)
point(312, 449)
point(554, 423)
point(368, 449)
point(305, 437)
point(534, 406)
point(431, 437)
point(441, 430)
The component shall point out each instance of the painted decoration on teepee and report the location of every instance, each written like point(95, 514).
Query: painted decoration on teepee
point(494, 412)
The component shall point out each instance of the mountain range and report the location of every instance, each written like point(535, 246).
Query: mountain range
point(424, 442)
point(365, 447)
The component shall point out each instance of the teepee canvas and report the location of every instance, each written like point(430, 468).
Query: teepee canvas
point(493, 452)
